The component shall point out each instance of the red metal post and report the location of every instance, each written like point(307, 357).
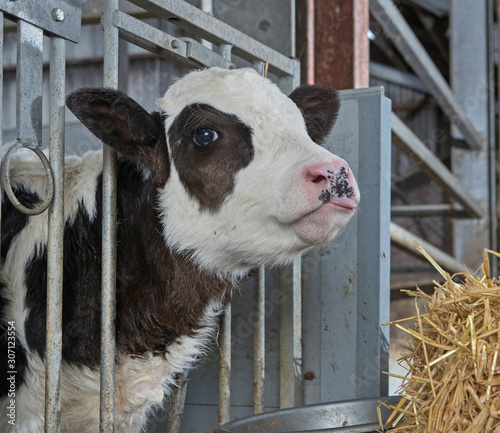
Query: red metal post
point(341, 45)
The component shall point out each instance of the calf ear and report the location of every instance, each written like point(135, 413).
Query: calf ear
point(117, 120)
point(320, 107)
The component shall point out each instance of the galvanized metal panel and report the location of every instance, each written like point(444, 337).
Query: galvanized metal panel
point(346, 284)
point(469, 79)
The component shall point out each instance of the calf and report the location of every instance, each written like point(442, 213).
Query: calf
point(227, 175)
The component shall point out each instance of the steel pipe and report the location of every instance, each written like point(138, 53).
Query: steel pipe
point(259, 341)
point(56, 233)
point(109, 200)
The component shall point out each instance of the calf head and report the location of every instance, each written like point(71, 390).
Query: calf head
point(241, 178)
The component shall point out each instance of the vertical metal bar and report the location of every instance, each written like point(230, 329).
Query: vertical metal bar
point(491, 135)
point(259, 341)
point(288, 83)
point(469, 80)
point(208, 7)
point(259, 67)
point(177, 406)
point(29, 83)
point(109, 199)
point(225, 368)
point(291, 336)
point(225, 345)
point(56, 232)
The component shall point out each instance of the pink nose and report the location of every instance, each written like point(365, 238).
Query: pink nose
point(332, 182)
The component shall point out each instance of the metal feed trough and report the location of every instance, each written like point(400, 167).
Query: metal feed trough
point(331, 302)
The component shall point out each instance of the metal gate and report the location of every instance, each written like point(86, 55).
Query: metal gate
point(357, 264)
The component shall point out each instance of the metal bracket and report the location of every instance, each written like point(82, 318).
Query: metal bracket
point(58, 17)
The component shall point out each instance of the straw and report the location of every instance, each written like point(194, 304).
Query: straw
point(453, 380)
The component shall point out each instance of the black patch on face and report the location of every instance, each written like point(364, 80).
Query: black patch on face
point(339, 186)
point(208, 173)
point(160, 295)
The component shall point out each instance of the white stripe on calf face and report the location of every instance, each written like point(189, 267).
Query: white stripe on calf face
point(268, 218)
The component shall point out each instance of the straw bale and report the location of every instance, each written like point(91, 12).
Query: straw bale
point(453, 368)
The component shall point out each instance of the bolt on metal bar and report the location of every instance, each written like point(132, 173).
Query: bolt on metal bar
point(291, 336)
point(56, 232)
point(211, 29)
point(400, 33)
point(259, 341)
point(184, 51)
point(109, 201)
point(225, 344)
point(430, 164)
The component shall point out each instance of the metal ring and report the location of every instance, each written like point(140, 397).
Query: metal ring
point(6, 185)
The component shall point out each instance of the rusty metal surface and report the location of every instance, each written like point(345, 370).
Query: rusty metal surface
point(341, 54)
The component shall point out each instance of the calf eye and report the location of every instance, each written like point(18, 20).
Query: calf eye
point(204, 137)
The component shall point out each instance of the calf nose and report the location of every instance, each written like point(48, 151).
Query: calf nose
point(331, 180)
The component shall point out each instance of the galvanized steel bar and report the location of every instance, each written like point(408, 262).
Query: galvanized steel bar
point(397, 29)
point(408, 241)
point(29, 84)
point(430, 164)
point(468, 38)
point(56, 232)
point(428, 210)
point(225, 342)
point(184, 51)
point(109, 200)
point(225, 367)
point(211, 29)
point(177, 405)
point(291, 336)
point(259, 341)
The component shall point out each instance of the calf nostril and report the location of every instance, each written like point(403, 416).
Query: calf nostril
point(318, 179)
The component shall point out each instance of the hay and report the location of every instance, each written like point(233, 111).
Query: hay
point(453, 379)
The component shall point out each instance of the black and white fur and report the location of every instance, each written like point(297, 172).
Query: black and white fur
point(209, 187)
